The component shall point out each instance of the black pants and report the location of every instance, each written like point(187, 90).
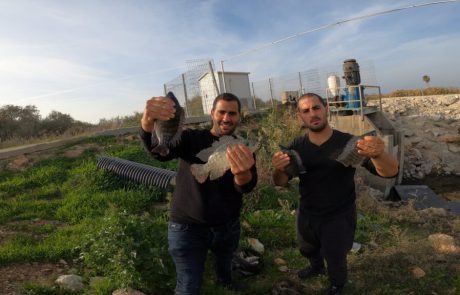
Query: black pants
point(330, 239)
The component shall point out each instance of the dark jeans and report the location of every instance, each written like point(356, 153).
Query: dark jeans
point(189, 245)
point(330, 239)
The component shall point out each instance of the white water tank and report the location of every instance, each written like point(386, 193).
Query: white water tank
point(333, 83)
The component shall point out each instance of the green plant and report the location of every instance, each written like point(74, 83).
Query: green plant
point(131, 250)
point(37, 289)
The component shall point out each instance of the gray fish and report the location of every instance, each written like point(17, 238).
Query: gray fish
point(215, 158)
point(167, 133)
point(295, 166)
point(349, 155)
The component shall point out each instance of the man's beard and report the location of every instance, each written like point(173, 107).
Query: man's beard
point(318, 128)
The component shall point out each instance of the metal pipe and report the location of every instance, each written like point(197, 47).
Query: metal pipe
point(361, 102)
point(253, 96)
point(214, 79)
point(301, 86)
point(223, 75)
point(271, 91)
point(185, 95)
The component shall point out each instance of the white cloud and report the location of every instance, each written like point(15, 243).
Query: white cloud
point(102, 58)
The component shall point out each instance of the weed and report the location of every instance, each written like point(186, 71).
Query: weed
point(131, 250)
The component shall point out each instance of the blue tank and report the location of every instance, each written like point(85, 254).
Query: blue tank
point(352, 98)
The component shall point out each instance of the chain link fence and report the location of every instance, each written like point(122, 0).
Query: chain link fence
point(201, 83)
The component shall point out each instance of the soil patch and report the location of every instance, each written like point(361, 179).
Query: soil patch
point(12, 277)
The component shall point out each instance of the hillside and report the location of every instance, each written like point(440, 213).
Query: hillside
point(61, 215)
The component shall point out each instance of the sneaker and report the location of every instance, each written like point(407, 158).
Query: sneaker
point(310, 272)
point(334, 290)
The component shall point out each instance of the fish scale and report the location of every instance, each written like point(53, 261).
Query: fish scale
point(349, 155)
point(216, 160)
point(295, 166)
point(167, 133)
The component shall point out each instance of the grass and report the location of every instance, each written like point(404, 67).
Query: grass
point(65, 208)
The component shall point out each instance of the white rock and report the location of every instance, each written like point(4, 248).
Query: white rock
point(455, 148)
point(418, 273)
point(256, 245)
point(283, 268)
point(280, 261)
point(443, 243)
point(447, 101)
point(408, 133)
point(71, 282)
point(356, 247)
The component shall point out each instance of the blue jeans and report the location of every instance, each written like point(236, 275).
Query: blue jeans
point(189, 245)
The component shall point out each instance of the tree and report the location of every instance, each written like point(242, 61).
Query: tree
point(426, 79)
point(195, 106)
point(19, 122)
point(57, 123)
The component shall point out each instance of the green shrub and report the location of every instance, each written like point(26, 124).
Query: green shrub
point(371, 227)
point(132, 251)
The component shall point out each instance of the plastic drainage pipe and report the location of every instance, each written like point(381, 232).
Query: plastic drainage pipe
point(137, 172)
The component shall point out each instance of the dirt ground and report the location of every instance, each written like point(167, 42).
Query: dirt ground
point(12, 277)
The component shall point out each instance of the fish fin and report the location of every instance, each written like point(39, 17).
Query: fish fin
point(200, 172)
point(161, 149)
point(349, 155)
point(176, 138)
point(282, 147)
point(298, 161)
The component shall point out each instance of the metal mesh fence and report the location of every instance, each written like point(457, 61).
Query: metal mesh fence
point(201, 83)
point(192, 86)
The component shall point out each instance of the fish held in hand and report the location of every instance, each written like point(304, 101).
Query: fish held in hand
point(349, 155)
point(216, 160)
point(295, 166)
point(167, 133)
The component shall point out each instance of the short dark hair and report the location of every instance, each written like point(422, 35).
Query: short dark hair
point(311, 94)
point(227, 97)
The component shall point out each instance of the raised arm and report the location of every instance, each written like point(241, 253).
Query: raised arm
point(374, 148)
point(157, 108)
point(280, 160)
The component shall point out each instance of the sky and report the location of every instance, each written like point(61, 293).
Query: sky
point(104, 58)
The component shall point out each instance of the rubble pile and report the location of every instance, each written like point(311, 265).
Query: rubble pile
point(431, 128)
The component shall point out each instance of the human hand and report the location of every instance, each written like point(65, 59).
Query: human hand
point(157, 108)
point(280, 160)
point(370, 146)
point(240, 158)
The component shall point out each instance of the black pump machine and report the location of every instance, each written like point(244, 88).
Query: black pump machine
point(352, 79)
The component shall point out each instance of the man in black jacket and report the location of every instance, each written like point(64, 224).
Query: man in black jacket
point(326, 218)
point(204, 216)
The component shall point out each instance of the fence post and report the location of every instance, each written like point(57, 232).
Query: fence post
point(301, 86)
point(271, 91)
point(223, 75)
point(185, 95)
point(214, 79)
point(253, 96)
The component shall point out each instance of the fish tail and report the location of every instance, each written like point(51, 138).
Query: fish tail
point(200, 172)
point(161, 149)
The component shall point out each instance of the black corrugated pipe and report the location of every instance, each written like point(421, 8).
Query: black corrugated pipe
point(138, 172)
